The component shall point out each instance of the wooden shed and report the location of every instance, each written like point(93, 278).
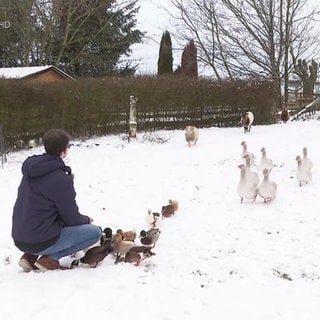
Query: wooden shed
point(38, 73)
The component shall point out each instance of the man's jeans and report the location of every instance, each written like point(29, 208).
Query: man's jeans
point(73, 239)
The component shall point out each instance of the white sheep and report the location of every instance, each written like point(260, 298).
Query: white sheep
point(247, 120)
point(191, 135)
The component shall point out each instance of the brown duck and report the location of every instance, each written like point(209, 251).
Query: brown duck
point(134, 254)
point(130, 235)
point(120, 246)
point(169, 210)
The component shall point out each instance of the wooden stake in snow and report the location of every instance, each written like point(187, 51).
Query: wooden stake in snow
point(3, 155)
point(133, 117)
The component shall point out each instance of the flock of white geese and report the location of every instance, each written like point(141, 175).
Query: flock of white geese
point(250, 186)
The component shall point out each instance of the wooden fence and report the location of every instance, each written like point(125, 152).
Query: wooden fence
point(118, 122)
point(307, 111)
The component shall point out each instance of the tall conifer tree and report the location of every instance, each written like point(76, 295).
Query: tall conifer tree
point(189, 66)
point(165, 61)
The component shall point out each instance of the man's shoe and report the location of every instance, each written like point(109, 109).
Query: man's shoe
point(27, 262)
point(46, 263)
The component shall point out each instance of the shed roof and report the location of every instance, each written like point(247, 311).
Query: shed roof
point(27, 72)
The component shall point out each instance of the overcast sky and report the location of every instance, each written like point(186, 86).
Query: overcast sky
point(154, 19)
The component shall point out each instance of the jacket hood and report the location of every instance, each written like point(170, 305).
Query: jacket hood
point(40, 165)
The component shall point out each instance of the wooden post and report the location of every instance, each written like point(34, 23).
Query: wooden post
point(133, 117)
point(2, 148)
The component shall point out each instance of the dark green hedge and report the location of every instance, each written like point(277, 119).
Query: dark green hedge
point(93, 107)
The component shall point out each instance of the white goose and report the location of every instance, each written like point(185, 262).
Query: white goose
point(246, 152)
point(303, 173)
point(246, 189)
point(305, 160)
point(250, 174)
point(265, 162)
point(267, 189)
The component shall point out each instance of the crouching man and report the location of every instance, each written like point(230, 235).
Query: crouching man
point(46, 222)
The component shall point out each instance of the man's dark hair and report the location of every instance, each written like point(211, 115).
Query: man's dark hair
point(56, 141)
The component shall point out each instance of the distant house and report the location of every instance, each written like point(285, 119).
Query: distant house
point(41, 73)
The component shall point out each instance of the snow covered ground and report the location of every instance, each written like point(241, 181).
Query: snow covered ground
point(216, 258)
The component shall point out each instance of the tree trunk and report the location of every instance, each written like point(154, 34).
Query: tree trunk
point(308, 88)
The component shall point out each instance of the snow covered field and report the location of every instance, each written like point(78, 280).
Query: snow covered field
point(216, 258)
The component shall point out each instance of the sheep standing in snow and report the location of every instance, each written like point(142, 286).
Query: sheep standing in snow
point(247, 120)
point(191, 135)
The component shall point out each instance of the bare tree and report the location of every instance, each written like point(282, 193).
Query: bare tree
point(200, 21)
point(239, 38)
point(308, 75)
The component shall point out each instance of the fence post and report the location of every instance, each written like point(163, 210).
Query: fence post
point(2, 148)
point(133, 117)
